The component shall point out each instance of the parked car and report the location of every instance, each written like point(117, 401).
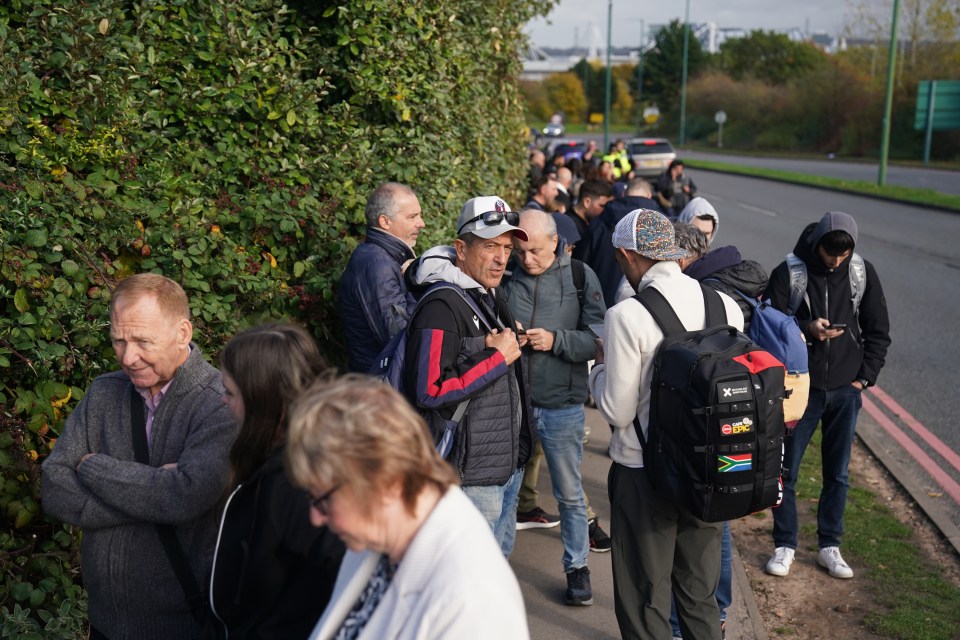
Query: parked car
point(569, 148)
point(650, 156)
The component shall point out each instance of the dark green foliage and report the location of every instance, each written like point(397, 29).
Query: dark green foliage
point(769, 57)
point(663, 66)
point(229, 145)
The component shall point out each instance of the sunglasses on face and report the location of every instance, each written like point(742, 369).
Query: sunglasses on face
point(322, 503)
point(491, 218)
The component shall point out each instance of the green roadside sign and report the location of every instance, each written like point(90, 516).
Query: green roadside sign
point(938, 109)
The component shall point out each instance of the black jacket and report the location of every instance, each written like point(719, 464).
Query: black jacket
point(447, 361)
point(724, 270)
point(596, 250)
point(862, 349)
point(273, 571)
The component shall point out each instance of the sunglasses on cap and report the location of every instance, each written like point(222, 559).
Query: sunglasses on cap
point(491, 218)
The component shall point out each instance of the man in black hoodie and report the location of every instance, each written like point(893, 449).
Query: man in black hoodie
point(847, 346)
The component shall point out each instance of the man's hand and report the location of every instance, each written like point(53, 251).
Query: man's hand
point(598, 355)
point(820, 330)
point(540, 339)
point(505, 342)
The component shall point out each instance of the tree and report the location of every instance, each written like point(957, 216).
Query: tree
point(662, 67)
point(768, 56)
point(595, 87)
point(565, 94)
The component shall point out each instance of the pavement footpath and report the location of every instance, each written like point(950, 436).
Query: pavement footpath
point(536, 561)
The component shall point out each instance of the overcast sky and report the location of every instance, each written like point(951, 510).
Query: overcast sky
point(560, 27)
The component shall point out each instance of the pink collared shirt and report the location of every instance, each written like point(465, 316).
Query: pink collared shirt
point(152, 402)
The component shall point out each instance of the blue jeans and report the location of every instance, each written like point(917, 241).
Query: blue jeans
point(836, 410)
point(561, 436)
point(724, 587)
point(498, 504)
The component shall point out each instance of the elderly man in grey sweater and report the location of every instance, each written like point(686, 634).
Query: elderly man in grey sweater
point(92, 479)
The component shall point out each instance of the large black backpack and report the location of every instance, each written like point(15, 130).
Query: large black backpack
point(715, 433)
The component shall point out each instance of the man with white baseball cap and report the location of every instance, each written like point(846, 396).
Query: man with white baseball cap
point(658, 546)
point(462, 346)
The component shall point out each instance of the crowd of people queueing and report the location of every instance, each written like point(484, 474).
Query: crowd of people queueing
point(273, 498)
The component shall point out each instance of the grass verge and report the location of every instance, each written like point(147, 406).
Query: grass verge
point(918, 603)
point(909, 195)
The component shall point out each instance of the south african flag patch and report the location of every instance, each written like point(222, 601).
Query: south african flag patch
point(740, 462)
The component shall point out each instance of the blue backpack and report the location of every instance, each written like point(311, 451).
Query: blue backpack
point(780, 334)
point(390, 363)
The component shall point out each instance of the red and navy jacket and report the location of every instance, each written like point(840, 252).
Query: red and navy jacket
point(447, 362)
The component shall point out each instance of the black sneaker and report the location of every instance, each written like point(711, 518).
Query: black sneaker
point(536, 519)
point(579, 593)
point(599, 540)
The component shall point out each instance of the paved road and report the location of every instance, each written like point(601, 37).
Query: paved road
point(936, 179)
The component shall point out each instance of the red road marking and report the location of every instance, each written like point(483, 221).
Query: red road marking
point(925, 461)
point(938, 445)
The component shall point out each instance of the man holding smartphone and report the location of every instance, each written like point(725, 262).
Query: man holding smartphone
point(843, 314)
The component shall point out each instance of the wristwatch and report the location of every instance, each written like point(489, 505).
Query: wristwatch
point(864, 382)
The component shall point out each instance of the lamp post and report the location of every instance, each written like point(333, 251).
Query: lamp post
point(683, 80)
point(888, 103)
point(606, 97)
point(643, 42)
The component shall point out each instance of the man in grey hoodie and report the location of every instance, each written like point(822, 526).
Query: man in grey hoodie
point(92, 479)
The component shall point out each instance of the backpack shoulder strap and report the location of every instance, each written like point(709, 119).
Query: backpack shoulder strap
point(798, 283)
point(713, 307)
point(663, 314)
point(858, 280)
point(579, 278)
point(440, 286)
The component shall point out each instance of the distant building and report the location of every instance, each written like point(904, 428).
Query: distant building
point(542, 62)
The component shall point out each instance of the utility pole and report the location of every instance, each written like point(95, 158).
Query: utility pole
point(643, 42)
point(888, 104)
point(683, 81)
point(606, 98)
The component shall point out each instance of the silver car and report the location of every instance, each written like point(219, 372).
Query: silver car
point(650, 156)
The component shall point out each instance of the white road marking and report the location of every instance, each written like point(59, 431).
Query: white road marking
point(766, 212)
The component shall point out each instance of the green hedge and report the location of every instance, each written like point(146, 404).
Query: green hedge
point(229, 145)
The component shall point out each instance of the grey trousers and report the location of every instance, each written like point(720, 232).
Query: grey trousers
point(659, 548)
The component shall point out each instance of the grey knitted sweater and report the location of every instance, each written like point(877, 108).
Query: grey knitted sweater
point(133, 592)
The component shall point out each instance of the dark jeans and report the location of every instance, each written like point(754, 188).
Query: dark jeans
point(836, 411)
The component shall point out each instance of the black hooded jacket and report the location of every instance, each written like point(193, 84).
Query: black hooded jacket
point(724, 270)
point(860, 352)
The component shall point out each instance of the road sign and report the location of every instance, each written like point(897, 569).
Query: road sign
point(651, 115)
point(720, 117)
point(943, 112)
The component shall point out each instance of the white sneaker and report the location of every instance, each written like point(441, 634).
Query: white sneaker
point(830, 559)
point(779, 564)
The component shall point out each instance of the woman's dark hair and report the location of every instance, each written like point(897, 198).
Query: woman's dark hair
point(836, 243)
point(271, 365)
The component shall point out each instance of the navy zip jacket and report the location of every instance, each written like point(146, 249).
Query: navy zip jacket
point(374, 302)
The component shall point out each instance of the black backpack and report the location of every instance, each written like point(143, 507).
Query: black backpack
point(715, 433)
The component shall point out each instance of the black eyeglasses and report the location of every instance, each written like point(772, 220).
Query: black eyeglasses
point(322, 503)
point(493, 217)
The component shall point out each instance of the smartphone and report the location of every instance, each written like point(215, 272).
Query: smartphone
point(596, 329)
point(837, 325)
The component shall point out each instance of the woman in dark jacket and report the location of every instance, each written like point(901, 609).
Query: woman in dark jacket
point(273, 572)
